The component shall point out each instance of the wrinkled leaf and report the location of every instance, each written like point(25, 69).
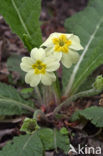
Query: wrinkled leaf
point(11, 103)
point(54, 139)
point(24, 145)
point(94, 114)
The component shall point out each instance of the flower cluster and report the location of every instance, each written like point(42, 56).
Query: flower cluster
point(42, 63)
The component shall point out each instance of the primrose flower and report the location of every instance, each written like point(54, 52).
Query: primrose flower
point(64, 47)
point(39, 67)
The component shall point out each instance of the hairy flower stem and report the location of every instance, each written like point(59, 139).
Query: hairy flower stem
point(56, 93)
point(67, 102)
point(45, 100)
point(47, 95)
point(37, 91)
point(56, 89)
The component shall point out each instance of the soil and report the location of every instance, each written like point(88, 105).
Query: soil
point(53, 15)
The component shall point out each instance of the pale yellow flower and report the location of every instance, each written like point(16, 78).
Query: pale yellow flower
point(63, 47)
point(39, 67)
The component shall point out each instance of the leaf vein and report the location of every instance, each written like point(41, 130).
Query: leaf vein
point(20, 17)
point(72, 78)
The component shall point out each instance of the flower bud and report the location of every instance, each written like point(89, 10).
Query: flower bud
point(98, 84)
point(29, 126)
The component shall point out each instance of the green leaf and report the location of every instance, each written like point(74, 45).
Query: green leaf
point(27, 42)
point(24, 145)
point(61, 141)
point(88, 26)
point(35, 144)
point(64, 131)
point(87, 84)
point(46, 135)
point(27, 92)
point(54, 139)
point(13, 64)
point(11, 102)
point(23, 18)
point(94, 114)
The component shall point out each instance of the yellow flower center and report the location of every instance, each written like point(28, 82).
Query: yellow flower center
point(62, 44)
point(40, 67)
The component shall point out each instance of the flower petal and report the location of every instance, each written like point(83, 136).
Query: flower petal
point(68, 36)
point(75, 56)
point(38, 54)
point(75, 43)
point(48, 78)
point(26, 64)
point(70, 58)
point(58, 55)
point(52, 64)
point(50, 52)
point(49, 42)
point(32, 78)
